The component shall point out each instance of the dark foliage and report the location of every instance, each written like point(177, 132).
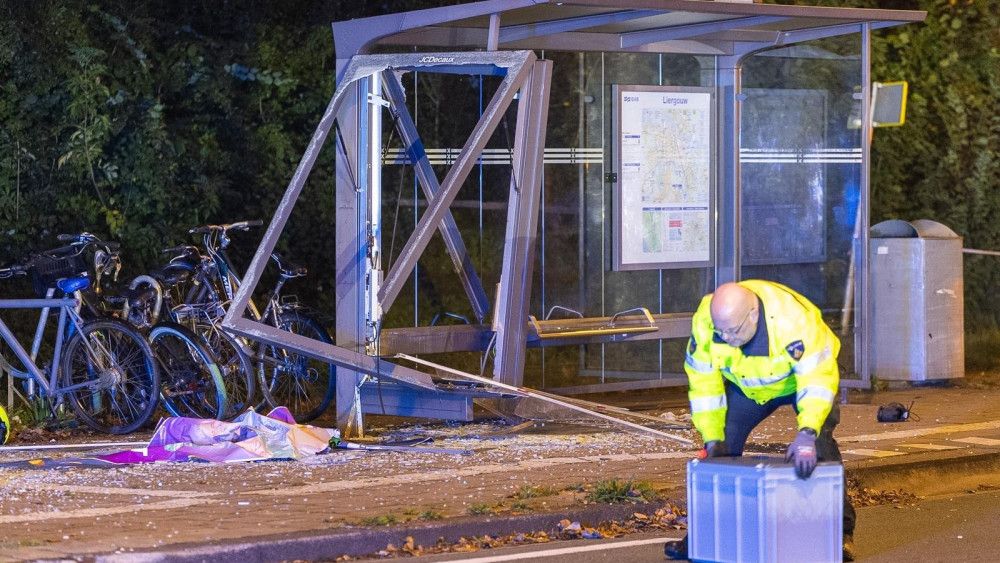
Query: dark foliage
point(138, 120)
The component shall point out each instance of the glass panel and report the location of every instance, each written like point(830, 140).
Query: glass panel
point(572, 263)
point(800, 166)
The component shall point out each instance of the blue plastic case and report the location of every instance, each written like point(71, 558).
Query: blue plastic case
point(755, 509)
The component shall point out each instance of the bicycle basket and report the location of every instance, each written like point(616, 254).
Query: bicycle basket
point(46, 269)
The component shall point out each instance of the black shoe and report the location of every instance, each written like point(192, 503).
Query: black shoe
point(849, 548)
point(676, 550)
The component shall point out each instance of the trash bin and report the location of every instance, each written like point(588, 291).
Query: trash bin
point(917, 303)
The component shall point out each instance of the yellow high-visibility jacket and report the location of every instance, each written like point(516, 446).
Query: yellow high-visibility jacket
point(5, 430)
point(802, 359)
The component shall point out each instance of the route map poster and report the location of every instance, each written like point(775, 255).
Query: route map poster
point(664, 161)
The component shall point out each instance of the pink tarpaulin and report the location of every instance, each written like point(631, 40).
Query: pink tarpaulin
point(249, 437)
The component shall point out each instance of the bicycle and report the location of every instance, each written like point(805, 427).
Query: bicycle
point(303, 385)
point(103, 368)
point(154, 300)
point(191, 382)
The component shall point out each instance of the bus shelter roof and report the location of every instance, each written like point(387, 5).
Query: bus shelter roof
point(702, 27)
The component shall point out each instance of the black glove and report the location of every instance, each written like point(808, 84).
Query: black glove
point(802, 452)
point(716, 448)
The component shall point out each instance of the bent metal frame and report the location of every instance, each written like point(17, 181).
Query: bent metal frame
point(724, 32)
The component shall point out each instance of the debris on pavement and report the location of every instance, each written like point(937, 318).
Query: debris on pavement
point(669, 517)
point(589, 410)
point(396, 448)
point(683, 418)
point(864, 496)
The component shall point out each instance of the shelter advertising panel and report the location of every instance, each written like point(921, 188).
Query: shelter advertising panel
point(664, 160)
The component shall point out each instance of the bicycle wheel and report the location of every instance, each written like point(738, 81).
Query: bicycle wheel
point(116, 379)
point(237, 370)
point(303, 385)
point(191, 382)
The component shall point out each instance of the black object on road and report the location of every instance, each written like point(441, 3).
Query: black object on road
point(895, 412)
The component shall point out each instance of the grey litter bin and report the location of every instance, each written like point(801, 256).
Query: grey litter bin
point(917, 301)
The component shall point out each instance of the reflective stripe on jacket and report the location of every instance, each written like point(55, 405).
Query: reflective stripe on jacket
point(802, 360)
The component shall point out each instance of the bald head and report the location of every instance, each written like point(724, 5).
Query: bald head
point(734, 311)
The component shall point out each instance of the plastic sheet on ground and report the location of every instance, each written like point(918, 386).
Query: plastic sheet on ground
point(249, 437)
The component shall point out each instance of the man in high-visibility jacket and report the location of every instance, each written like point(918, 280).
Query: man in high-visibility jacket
point(755, 346)
point(4, 426)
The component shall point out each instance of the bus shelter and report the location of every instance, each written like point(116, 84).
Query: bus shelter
point(540, 192)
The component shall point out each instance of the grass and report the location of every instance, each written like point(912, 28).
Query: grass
point(520, 505)
point(29, 415)
point(382, 520)
point(615, 491)
point(430, 515)
point(409, 514)
point(482, 508)
point(535, 491)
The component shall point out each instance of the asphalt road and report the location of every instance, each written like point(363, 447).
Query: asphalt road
point(962, 527)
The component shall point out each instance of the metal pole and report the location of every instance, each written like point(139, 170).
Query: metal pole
point(43, 320)
point(493, 40)
point(522, 225)
point(7, 336)
point(728, 75)
point(549, 398)
point(373, 208)
point(861, 287)
point(980, 252)
point(350, 260)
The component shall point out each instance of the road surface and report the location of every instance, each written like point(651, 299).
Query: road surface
point(961, 527)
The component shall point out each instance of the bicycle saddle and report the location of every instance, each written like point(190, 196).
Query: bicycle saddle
point(288, 269)
point(171, 275)
point(70, 285)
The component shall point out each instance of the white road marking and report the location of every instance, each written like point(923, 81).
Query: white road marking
point(934, 447)
point(946, 429)
point(872, 453)
point(80, 446)
point(119, 491)
point(978, 441)
point(107, 511)
point(561, 551)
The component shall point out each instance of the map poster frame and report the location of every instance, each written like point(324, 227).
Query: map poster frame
point(637, 208)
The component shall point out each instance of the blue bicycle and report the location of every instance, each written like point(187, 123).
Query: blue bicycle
point(103, 369)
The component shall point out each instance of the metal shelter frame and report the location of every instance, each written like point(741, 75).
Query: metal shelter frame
point(728, 32)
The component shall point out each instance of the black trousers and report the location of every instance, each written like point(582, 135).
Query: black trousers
point(744, 414)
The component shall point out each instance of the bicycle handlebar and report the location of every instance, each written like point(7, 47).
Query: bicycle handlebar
point(185, 248)
point(13, 270)
point(84, 239)
point(240, 226)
